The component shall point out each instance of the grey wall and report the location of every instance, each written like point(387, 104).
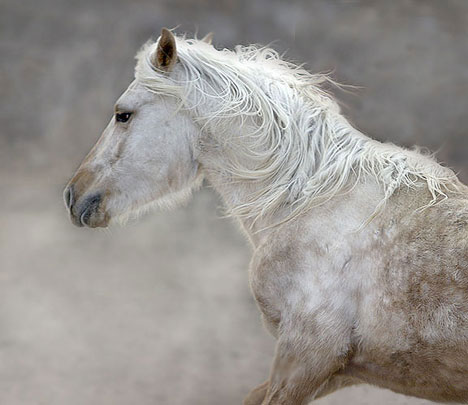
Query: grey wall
point(160, 312)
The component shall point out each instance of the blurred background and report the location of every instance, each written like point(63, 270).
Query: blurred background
point(160, 312)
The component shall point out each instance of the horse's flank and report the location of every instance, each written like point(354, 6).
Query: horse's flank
point(298, 149)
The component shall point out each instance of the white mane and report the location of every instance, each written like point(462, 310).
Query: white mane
point(295, 144)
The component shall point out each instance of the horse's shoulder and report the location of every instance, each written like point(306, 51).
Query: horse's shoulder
point(443, 226)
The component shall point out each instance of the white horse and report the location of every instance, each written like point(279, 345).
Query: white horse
point(360, 265)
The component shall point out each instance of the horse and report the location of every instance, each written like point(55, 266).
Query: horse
point(360, 248)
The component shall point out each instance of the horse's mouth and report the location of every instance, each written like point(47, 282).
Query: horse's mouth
point(90, 212)
point(92, 217)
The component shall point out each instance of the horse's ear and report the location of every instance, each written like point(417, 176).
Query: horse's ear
point(166, 52)
point(208, 38)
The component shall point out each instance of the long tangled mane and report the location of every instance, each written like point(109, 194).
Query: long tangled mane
point(295, 144)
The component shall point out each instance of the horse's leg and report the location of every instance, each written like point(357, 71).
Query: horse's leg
point(257, 395)
point(306, 360)
point(335, 383)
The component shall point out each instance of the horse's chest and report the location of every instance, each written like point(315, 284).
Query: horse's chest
point(291, 284)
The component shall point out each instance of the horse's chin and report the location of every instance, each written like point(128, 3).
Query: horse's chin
point(97, 224)
point(87, 219)
point(139, 208)
point(101, 221)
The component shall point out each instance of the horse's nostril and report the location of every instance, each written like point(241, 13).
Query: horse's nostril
point(69, 197)
point(90, 206)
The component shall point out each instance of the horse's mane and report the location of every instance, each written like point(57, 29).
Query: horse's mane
point(300, 150)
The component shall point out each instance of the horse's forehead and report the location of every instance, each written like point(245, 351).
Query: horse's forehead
point(135, 95)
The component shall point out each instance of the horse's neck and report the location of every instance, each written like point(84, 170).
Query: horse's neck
point(343, 214)
point(214, 158)
point(266, 178)
point(262, 191)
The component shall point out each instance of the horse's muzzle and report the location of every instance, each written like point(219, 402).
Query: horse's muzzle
point(87, 210)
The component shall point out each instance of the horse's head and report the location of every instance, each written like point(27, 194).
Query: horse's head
point(145, 153)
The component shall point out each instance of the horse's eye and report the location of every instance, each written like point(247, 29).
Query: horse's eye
point(122, 117)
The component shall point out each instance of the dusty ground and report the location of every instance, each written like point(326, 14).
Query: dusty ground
point(159, 312)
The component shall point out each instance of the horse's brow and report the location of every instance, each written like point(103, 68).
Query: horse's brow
point(119, 107)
